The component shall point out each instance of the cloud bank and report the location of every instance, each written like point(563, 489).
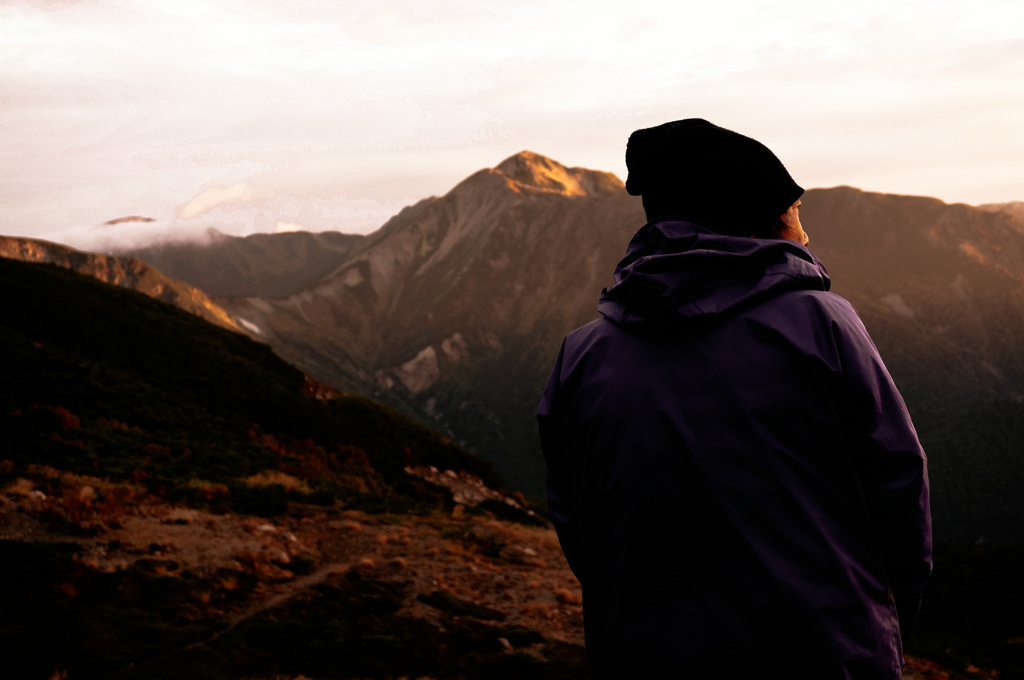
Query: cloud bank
point(215, 196)
point(220, 113)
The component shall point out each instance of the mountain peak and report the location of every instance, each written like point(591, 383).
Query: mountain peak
point(533, 171)
point(130, 218)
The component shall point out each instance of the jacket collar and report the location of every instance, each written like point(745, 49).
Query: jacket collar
point(678, 270)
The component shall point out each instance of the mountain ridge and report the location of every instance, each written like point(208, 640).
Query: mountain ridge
point(267, 265)
point(124, 271)
point(1013, 208)
point(421, 276)
point(534, 171)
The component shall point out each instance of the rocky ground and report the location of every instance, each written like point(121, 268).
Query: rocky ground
point(508, 578)
point(477, 586)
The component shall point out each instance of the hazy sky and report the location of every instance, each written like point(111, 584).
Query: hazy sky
point(252, 116)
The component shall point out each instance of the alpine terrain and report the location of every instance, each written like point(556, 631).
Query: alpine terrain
point(175, 501)
point(453, 312)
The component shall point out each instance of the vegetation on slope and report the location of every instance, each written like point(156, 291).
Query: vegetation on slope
point(108, 382)
point(266, 265)
point(176, 501)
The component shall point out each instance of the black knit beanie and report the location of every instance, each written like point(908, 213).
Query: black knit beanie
point(692, 168)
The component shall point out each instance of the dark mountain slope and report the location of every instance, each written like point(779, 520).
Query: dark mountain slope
point(1013, 208)
point(107, 381)
point(127, 272)
point(264, 265)
point(135, 542)
point(941, 289)
point(177, 502)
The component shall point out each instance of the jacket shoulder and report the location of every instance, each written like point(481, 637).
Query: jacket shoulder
point(598, 325)
point(827, 304)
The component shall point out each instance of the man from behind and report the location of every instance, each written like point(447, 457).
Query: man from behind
point(734, 478)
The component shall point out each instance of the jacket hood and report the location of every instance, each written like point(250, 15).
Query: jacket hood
point(678, 271)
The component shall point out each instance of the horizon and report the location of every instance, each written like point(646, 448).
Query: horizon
point(251, 118)
point(210, 233)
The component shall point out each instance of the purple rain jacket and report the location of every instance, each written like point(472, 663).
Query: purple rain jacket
point(733, 476)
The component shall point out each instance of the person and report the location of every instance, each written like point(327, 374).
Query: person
point(732, 474)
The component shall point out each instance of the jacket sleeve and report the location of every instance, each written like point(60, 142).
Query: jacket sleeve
point(561, 502)
point(891, 465)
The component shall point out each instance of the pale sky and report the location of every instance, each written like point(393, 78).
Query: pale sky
point(264, 114)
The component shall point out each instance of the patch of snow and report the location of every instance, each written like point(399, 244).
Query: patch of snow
point(250, 326)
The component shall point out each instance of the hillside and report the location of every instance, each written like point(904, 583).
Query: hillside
point(940, 289)
point(1013, 208)
point(176, 501)
point(127, 272)
point(264, 265)
point(451, 310)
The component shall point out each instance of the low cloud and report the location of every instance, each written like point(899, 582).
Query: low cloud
point(233, 194)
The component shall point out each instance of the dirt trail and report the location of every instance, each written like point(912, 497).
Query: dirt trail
point(286, 592)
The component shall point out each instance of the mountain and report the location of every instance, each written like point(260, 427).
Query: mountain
point(454, 310)
point(451, 310)
point(1013, 208)
point(177, 502)
point(939, 287)
point(264, 265)
point(129, 218)
point(128, 376)
point(128, 272)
